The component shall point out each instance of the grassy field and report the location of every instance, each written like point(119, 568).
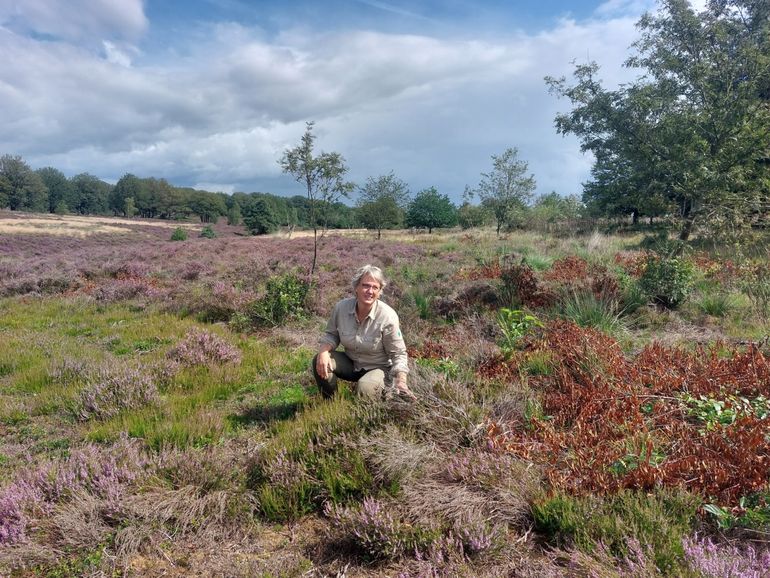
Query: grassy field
point(585, 406)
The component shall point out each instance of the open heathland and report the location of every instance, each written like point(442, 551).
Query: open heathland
point(587, 405)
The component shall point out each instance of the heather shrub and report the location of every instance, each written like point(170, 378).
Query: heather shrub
point(201, 347)
point(667, 281)
point(12, 520)
point(478, 534)
point(716, 560)
point(110, 392)
point(35, 492)
point(218, 302)
point(600, 563)
point(283, 299)
point(316, 445)
point(122, 289)
point(659, 520)
point(179, 234)
point(288, 493)
point(376, 529)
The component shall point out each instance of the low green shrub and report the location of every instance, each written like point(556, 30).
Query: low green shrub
point(514, 324)
point(667, 281)
point(179, 234)
point(313, 459)
point(208, 233)
point(284, 299)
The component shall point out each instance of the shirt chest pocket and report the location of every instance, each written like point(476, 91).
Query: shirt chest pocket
point(371, 342)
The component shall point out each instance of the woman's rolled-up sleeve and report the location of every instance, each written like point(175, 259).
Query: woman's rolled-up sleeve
point(331, 334)
point(393, 341)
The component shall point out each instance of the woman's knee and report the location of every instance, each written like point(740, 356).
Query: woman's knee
point(371, 384)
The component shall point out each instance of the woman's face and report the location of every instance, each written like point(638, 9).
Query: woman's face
point(367, 290)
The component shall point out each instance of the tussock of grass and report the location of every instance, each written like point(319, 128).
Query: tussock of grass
point(661, 520)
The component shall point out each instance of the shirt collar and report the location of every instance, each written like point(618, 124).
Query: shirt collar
point(371, 313)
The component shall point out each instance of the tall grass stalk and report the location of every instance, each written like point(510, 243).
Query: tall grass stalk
point(587, 310)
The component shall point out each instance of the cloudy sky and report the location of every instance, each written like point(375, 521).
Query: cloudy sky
point(208, 93)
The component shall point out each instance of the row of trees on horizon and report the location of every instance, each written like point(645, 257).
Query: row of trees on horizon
point(384, 202)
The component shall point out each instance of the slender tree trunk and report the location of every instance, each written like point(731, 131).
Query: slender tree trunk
point(315, 250)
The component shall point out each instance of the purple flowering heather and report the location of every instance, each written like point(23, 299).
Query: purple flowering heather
point(103, 473)
point(110, 393)
point(12, 521)
point(372, 527)
point(202, 348)
point(726, 560)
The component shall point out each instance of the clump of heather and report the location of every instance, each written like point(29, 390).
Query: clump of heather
point(12, 520)
point(288, 491)
point(217, 302)
point(200, 347)
point(70, 370)
point(602, 563)
point(133, 269)
point(711, 559)
point(110, 393)
point(125, 288)
point(102, 473)
point(373, 528)
point(477, 535)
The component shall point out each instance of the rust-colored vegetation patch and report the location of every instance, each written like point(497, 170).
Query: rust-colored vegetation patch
point(611, 421)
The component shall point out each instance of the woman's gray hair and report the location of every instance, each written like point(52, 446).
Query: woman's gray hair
point(375, 273)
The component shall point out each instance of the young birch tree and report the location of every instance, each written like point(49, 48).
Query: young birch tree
point(321, 175)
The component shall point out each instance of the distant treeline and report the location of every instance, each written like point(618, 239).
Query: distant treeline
point(379, 206)
point(49, 190)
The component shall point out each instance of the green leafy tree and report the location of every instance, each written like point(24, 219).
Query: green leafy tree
point(59, 188)
point(61, 208)
point(234, 216)
point(691, 131)
point(470, 215)
point(381, 203)
point(5, 191)
point(208, 207)
point(129, 207)
point(90, 194)
point(26, 190)
point(432, 210)
point(259, 217)
point(552, 210)
point(507, 188)
point(322, 176)
point(128, 186)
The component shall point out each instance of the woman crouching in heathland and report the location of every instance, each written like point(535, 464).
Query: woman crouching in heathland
point(375, 354)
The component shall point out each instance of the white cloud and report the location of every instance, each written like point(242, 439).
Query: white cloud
point(77, 20)
point(432, 110)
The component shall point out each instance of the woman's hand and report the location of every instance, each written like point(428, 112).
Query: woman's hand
point(323, 365)
point(402, 388)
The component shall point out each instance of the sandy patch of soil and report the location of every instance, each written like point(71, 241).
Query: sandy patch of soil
point(75, 225)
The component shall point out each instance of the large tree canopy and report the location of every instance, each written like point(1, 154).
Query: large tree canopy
point(688, 137)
